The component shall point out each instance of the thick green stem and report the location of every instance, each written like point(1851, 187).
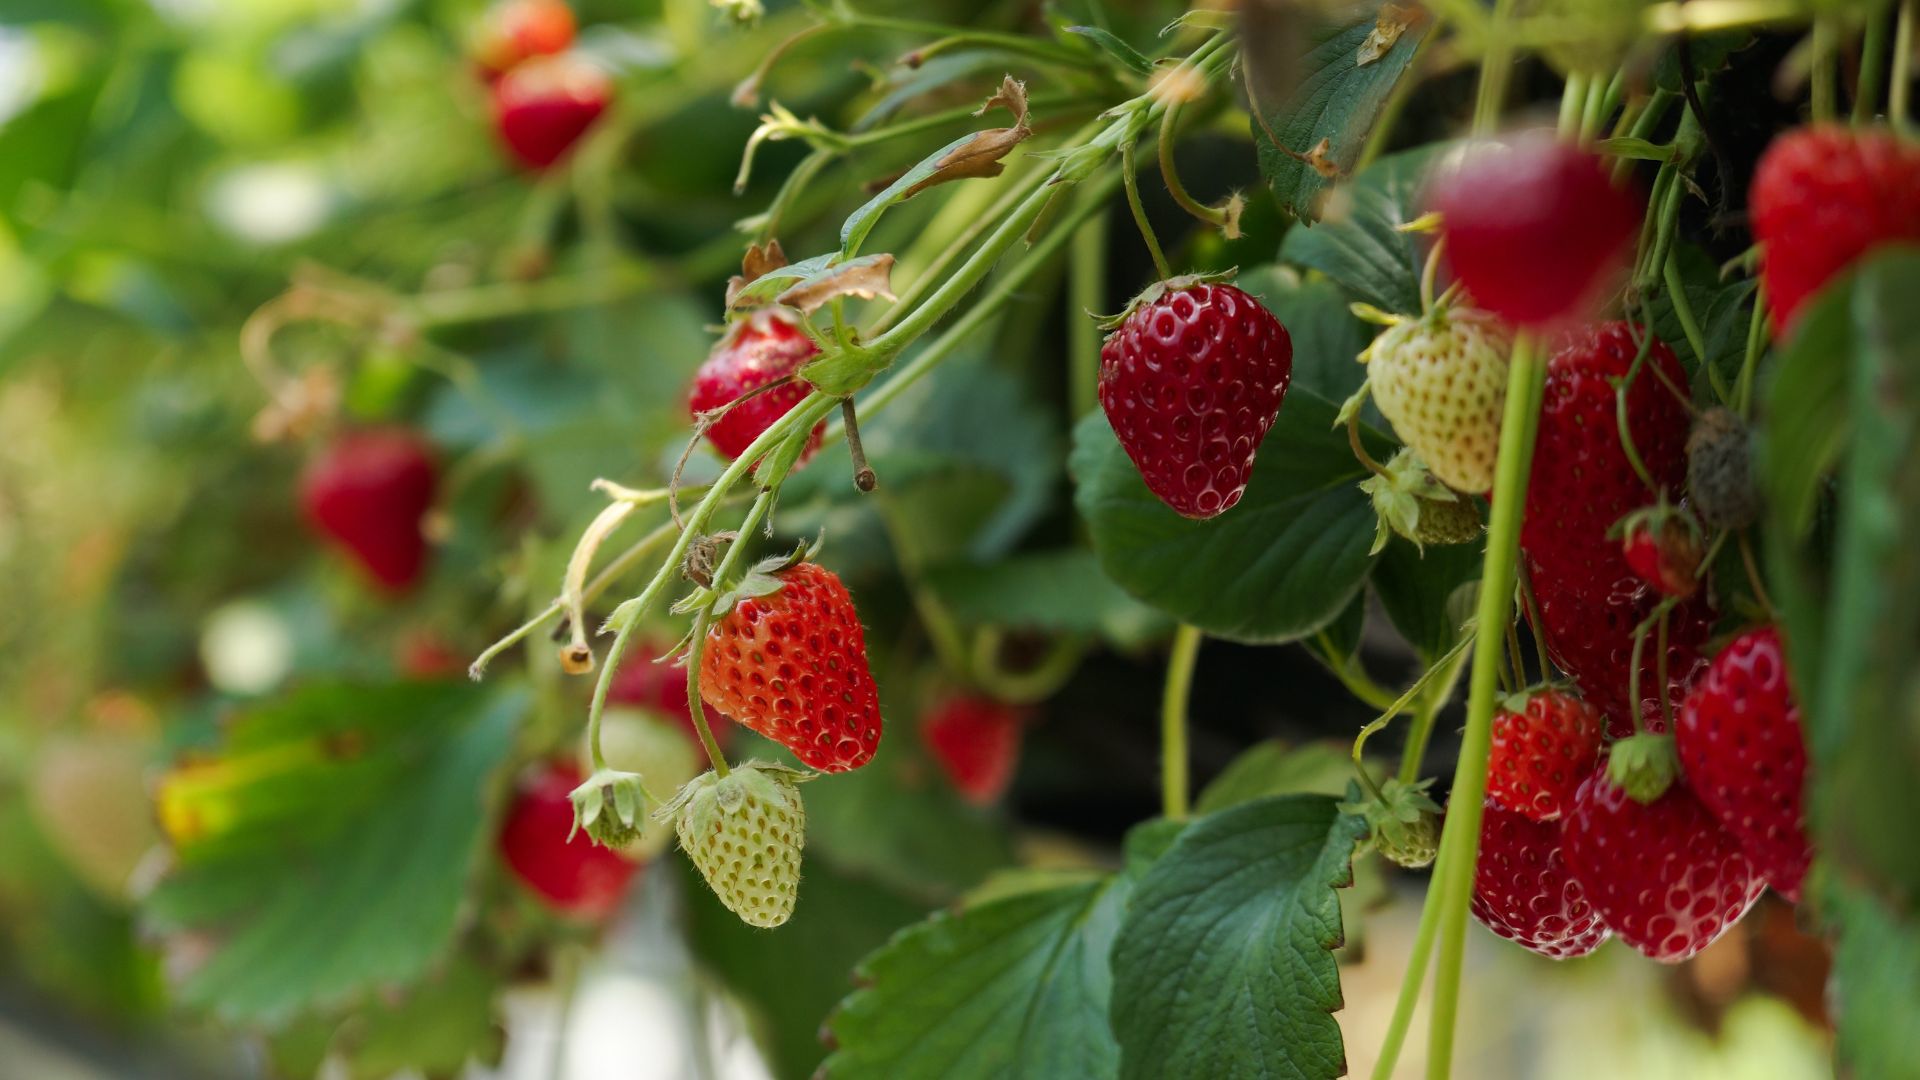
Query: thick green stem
point(1173, 723)
point(1413, 755)
point(1900, 91)
point(1086, 295)
point(1460, 842)
point(1683, 309)
point(1494, 69)
point(1873, 66)
point(1411, 982)
point(1756, 343)
point(1129, 176)
point(1826, 50)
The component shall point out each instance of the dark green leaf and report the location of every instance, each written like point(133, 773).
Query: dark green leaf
point(1358, 243)
point(1327, 339)
point(892, 846)
point(1109, 42)
point(1224, 965)
point(1336, 642)
point(1419, 591)
point(1276, 768)
point(1282, 564)
point(1876, 964)
point(1338, 100)
point(1055, 590)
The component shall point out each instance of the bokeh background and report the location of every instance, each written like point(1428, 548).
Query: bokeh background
point(169, 168)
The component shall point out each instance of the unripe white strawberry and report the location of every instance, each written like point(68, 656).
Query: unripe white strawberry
point(1441, 381)
point(744, 833)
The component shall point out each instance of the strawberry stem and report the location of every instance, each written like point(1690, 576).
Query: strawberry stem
point(1087, 293)
point(1132, 182)
point(864, 477)
point(1359, 450)
point(1900, 90)
point(1826, 49)
point(1170, 176)
point(1410, 983)
point(1173, 722)
point(1532, 608)
point(1683, 308)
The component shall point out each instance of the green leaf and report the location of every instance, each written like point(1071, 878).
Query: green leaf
point(1327, 338)
point(1852, 636)
point(1876, 963)
point(1224, 964)
point(892, 847)
point(1111, 43)
point(764, 288)
point(1014, 987)
point(1336, 642)
point(1420, 593)
point(1061, 591)
point(1361, 247)
point(1276, 767)
point(393, 816)
point(1338, 99)
point(433, 1030)
point(1282, 564)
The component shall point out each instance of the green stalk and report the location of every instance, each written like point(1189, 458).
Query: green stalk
point(947, 37)
point(1900, 91)
point(1086, 294)
point(1460, 842)
point(696, 707)
point(1826, 48)
point(1173, 723)
point(1129, 176)
point(1411, 982)
point(1873, 67)
point(1683, 309)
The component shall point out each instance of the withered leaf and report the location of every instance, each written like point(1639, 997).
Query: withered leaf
point(759, 260)
point(1393, 21)
point(866, 277)
point(981, 153)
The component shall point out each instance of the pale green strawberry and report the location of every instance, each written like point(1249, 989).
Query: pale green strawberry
point(744, 832)
point(1441, 381)
point(1403, 824)
point(1409, 501)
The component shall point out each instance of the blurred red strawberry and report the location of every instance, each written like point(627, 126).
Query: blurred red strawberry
point(542, 107)
point(574, 876)
point(368, 492)
point(516, 30)
point(976, 740)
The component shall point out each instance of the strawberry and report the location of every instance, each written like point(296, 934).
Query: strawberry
point(792, 665)
point(1523, 891)
point(1441, 381)
point(573, 875)
point(1742, 751)
point(744, 833)
point(1191, 379)
point(1409, 501)
point(1664, 875)
point(516, 30)
point(542, 107)
point(1535, 228)
point(976, 741)
point(1663, 546)
point(368, 492)
point(1720, 481)
point(658, 750)
point(1542, 748)
point(1403, 821)
point(1590, 599)
point(661, 688)
point(755, 351)
point(1822, 198)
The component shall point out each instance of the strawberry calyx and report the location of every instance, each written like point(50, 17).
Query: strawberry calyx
point(728, 789)
point(1405, 495)
point(1644, 766)
point(763, 578)
point(1158, 289)
point(610, 806)
point(1403, 820)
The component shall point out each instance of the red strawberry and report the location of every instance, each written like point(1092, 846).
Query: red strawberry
point(572, 874)
point(1523, 891)
point(976, 740)
point(1535, 228)
point(1742, 750)
point(516, 30)
point(660, 687)
point(1822, 198)
point(542, 107)
point(1541, 753)
point(1191, 380)
point(1582, 484)
point(792, 665)
point(1664, 875)
point(368, 492)
point(754, 352)
point(1663, 547)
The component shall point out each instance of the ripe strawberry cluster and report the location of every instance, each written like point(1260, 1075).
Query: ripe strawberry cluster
point(545, 95)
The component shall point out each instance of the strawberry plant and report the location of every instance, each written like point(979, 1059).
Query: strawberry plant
point(986, 540)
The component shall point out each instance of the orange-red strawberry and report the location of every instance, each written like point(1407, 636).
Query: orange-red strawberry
point(1191, 380)
point(368, 492)
point(542, 107)
point(1523, 891)
point(792, 665)
point(1664, 875)
point(1541, 751)
point(1743, 753)
point(976, 741)
point(1535, 228)
point(517, 30)
point(755, 351)
point(1582, 484)
point(1822, 198)
point(571, 873)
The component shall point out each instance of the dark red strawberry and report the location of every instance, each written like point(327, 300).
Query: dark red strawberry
point(1535, 228)
point(517, 30)
point(1743, 753)
point(1191, 380)
point(1664, 875)
point(976, 740)
point(572, 874)
point(1823, 197)
point(792, 665)
point(1523, 891)
point(1542, 752)
point(1582, 484)
point(754, 352)
point(368, 492)
point(660, 687)
point(542, 107)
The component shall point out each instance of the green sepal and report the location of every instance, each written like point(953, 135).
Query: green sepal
point(1159, 289)
point(1644, 766)
point(610, 806)
point(1405, 827)
point(843, 372)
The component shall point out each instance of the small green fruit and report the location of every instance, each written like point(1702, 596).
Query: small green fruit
point(744, 832)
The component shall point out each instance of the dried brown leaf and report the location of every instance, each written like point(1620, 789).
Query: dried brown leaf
point(1393, 21)
point(759, 259)
point(980, 155)
point(866, 278)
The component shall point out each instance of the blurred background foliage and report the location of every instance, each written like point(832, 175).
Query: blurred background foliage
point(169, 167)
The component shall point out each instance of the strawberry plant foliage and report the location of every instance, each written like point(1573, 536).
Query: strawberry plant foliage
point(1224, 965)
point(1363, 248)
